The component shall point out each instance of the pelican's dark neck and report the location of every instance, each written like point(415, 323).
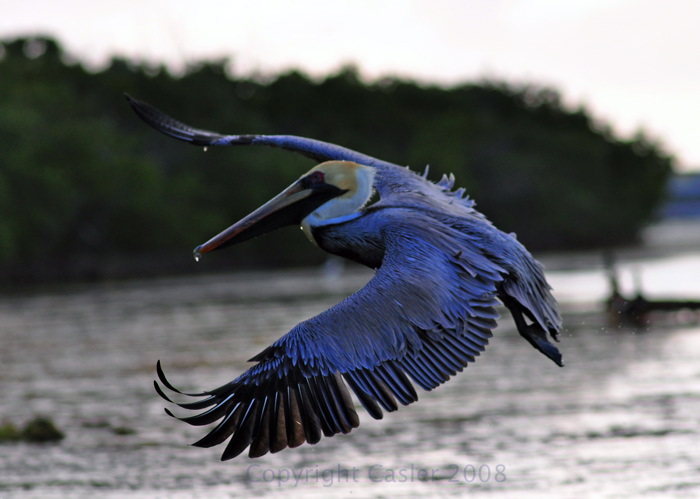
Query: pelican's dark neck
point(351, 239)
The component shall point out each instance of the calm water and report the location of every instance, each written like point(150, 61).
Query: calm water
point(620, 420)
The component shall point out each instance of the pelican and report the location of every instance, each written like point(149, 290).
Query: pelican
point(441, 269)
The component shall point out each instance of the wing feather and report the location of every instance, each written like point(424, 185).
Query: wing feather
point(296, 434)
point(260, 444)
point(278, 439)
point(363, 395)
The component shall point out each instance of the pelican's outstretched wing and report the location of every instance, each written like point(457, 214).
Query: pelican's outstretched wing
point(391, 179)
point(425, 315)
point(315, 149)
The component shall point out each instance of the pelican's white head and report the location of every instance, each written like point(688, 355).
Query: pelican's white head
point(355, 182)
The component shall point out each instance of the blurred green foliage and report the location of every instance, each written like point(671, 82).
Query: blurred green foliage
point(83, 181)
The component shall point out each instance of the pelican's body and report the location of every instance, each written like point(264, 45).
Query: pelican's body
point(441, 269)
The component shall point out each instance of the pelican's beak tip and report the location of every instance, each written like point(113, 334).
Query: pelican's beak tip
point(198, 253)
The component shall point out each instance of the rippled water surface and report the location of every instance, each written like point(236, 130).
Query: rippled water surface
point(620, 420)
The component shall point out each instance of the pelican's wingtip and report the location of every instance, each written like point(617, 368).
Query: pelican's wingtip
point(134, 103)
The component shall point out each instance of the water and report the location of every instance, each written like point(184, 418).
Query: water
point(620, 420)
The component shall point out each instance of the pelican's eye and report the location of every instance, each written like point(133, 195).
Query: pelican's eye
point(315, 179)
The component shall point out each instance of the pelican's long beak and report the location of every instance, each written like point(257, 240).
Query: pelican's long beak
point(287, 208)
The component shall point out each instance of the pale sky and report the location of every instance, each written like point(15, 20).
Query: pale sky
point(633, 63)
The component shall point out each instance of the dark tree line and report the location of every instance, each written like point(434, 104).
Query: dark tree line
point(83, 182)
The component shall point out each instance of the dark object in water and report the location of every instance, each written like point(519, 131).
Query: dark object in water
point(41, 429)
point(637, 311)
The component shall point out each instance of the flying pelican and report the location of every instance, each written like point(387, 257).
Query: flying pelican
point(440, 270)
